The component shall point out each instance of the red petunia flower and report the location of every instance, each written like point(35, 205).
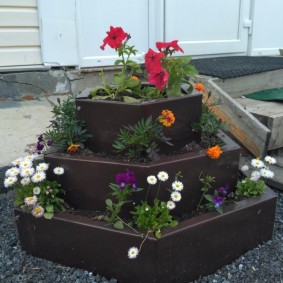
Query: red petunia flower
point(153, 60)
point(167, 45)
point(159, 78)
point(115, 37)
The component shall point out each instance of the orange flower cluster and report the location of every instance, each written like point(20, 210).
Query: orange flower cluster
point(135, 78)
point(214, 152)
point(167, 118)
point(200, 87)
point(73, 148)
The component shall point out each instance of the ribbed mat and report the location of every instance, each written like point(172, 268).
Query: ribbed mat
point(236, 66)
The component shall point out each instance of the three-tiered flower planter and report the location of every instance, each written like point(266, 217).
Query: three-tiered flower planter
point(197, 246)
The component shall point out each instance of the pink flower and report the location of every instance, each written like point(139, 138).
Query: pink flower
point(164, 46)
point(159, 78)
point(153, 60)
point(115, 37)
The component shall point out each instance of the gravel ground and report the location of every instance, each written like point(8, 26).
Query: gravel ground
point(263, 264)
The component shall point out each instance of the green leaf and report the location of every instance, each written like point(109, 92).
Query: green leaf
point(129, 99)
point(119, 225)
point(49, 208)
point(48, 215)
point(209, 197)
point(157, 234)
point(109, 203)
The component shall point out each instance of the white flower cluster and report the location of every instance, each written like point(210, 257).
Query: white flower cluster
point(176, 196)
point(261, 169)
point(24, 173)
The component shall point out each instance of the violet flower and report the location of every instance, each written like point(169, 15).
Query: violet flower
point(223, 190)
point(124, 179)
point(218, 201)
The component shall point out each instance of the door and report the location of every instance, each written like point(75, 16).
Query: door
point(207, 27)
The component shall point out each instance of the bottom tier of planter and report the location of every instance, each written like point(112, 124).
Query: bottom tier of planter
point(196, 247)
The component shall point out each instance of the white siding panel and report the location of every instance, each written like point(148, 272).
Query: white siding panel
point(17, 3)
point(19, 33)
point(18, 17)
point(19, 37)
point(19, 56)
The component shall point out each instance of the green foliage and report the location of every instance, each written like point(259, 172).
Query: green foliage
point(65, 129)
point(141, 139)
point(206, 187)
point(179, 70)
point(208, 125)
point(153, 218)
point(250, 188)
point(114, 208)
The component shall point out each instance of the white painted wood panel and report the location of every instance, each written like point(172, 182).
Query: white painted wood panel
point(95, 18)
point(206, 27)
point(267, 36)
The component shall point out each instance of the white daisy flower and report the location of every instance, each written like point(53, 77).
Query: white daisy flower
point(17, 161)
point(14, 171)
point(42, 166)
point(257, 163)
point(38, 177)
point(255, 176)
point(270, 160)
point(36, 190)
point(266, 173)
point(151, 180)
point(133, 252)
point(26, 164)
point(171, 204)
point(162, 176)
point(25, 181)
point(245, 168)
point(177, 186)
point(30, 157)
point(27, 172)
point(31, 200)
point(38, 211)
point(58, 170)
point(8, 182)
point(176, 196)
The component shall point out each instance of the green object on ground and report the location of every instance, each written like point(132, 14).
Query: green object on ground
point(267, 95)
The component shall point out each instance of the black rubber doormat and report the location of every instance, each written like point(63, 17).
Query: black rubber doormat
point(236, 66)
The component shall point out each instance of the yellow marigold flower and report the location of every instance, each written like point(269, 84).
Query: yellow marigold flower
point(73, 148)
point(200, 87)
point(135, 78)
point(214, 152)
point(167, 118)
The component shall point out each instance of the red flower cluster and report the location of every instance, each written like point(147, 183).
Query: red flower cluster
point(115, 37)
point(153, 63)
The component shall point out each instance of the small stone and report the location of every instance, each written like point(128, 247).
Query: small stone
point(240, 266)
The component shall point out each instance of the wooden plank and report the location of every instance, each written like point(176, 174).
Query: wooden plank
point(20, 56)
point(18, 3)
point(243, 125)
point(19, 37)
point(18, 18)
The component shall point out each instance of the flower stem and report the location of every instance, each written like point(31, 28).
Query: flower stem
point(143, 241)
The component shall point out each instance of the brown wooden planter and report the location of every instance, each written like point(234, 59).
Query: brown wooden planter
point(86, 179)
point(104, 119)
point(196, 247)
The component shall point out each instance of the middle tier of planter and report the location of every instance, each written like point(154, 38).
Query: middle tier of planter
point(104, 119)
point(86, 179)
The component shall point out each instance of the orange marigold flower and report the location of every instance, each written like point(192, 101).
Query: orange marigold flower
point(135, 78)
point(200, 87)
point(214, 152)
point(167, 118)
point(73, 148)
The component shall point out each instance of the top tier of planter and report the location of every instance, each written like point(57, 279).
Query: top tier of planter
point(104, 119)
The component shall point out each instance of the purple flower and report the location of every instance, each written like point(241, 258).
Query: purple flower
point(218, 201)
point(124, 179)
point(49, 142)
point(40, 138)
point(39, 146)
point(223, 190)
